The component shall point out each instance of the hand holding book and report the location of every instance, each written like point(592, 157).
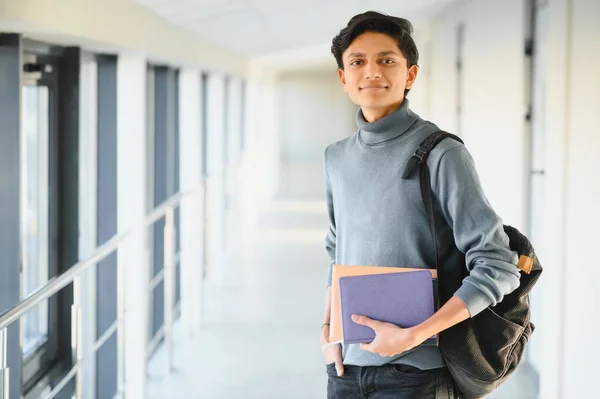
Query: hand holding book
point(390, 340)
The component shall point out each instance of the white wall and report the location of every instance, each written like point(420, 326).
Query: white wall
point(419, 96)
point(571, 207)
point(492, 95)
point(494, 118)
point(314, 112)
point(440, 69)
point(582, 213)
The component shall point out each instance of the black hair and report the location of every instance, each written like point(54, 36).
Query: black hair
point(399, 29)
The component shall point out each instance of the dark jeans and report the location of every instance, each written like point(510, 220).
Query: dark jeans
point(390, 381)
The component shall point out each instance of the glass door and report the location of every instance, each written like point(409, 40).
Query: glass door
point(34, 210)
point(39, 187)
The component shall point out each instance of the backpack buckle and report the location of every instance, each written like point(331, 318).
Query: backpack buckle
point(419, 154)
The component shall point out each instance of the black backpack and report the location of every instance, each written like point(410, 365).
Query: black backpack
point(483, 351)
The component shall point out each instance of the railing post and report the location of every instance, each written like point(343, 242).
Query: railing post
point(169, 279)
point(77, 336)
point(4, 364)
point(121, 309)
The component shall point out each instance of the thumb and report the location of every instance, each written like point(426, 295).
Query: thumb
point(339, 365)
point(364, 320)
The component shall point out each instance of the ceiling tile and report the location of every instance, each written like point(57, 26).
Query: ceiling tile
point(261, 27)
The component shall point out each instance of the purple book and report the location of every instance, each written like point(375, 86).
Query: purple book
point(404, 299)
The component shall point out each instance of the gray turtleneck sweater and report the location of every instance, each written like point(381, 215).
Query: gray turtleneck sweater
point(376, 218)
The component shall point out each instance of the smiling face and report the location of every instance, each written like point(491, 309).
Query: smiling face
point(375, 74)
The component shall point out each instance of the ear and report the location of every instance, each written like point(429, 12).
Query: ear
point(413, 71)
point(342, 78)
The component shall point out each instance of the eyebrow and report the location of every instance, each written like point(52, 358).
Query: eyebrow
point(382, 54)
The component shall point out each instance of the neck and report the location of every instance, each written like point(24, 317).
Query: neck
point(373, 114)
point(388, 126)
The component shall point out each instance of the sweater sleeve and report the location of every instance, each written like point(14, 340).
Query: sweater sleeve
point(330, 238)
point(478, 232)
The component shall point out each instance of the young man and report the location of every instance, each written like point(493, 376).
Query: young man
point(376, 218)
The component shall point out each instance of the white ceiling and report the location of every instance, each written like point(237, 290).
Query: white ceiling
point(272, 29)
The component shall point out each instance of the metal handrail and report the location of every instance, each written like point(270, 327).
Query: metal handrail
point(59, 282)
point(73, 275)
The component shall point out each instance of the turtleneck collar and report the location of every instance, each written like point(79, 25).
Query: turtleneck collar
point(388, 127)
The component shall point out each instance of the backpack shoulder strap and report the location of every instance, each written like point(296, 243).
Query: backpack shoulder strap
point(420, 158)
point(421, 154)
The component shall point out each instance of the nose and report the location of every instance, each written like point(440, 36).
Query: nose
point(372, 70)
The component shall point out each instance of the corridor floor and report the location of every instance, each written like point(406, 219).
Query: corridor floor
point(260, 333)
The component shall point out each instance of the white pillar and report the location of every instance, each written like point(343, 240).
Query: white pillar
point(262, 143)
point(192, 225)
point(553, 252)
point(232, 188)
point(235, 121)
point(88, 211)
point(269, 150)
point(131, 212)
point(216, 177)
point(260, 162)
point(249, 184)
point(578, 270)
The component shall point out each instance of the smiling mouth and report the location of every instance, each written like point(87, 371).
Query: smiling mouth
point(373, 87)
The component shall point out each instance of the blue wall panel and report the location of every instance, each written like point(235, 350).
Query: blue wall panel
point(10, 65)
point(106, 305)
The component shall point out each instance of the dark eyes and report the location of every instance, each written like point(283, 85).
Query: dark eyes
point(386, 61)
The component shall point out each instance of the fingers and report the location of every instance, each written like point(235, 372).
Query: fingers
point(370, 347)
point(374, 349)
